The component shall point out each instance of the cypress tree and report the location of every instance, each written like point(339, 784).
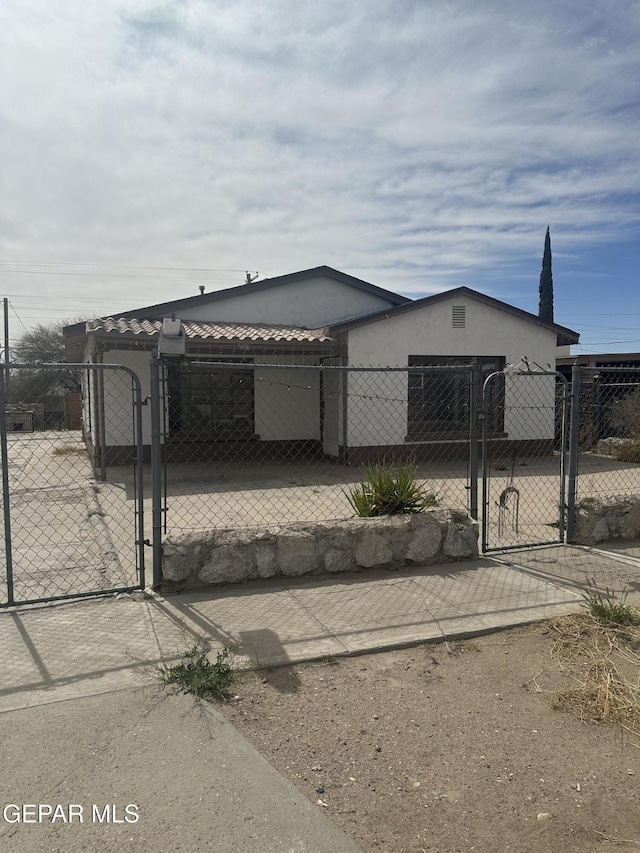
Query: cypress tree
point(545, 306)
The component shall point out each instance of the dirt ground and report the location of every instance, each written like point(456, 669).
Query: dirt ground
point(448, 747)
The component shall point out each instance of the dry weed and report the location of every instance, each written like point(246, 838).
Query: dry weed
point(603, 661)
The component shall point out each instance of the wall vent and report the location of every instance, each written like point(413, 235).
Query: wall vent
point(458, 316)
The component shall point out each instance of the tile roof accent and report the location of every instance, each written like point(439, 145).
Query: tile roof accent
point(211, 331)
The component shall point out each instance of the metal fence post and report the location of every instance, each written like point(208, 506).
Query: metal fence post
point(6, 497)
point(574, 427)
point(474, 378)
point(139, 475)
point(156, 471)
point(485, 464)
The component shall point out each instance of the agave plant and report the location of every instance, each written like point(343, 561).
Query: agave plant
point(390, 490)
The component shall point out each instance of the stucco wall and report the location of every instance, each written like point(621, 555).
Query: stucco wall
point(377, 408)
point(428, 331)
point(117, 397)
point(311, 304)
point(425, 331)
point(287, 402)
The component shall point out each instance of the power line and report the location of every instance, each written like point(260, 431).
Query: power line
point(71, 298)
point(113, 275)
point(117, 266)
point(19, 320)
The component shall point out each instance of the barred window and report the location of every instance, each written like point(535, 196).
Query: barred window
point(439, 400)
point(210, 403)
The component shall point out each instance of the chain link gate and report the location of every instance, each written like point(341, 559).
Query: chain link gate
point(72, 482)
point(524, 449)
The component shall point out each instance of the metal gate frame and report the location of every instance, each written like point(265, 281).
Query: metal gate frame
point(140, 541)
point(563, 508)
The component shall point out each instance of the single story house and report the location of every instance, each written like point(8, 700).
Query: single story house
point(299, 322)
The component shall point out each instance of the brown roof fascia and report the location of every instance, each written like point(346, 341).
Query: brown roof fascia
point(565, 336)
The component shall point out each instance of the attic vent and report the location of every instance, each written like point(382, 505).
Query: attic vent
point(458, 316)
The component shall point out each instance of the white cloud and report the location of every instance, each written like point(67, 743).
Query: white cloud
point(408, 142)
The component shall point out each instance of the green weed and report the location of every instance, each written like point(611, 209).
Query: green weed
point(195, 674)
point(606, 609)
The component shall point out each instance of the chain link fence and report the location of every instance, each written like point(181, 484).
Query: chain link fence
point(70, 525)
point(237, 444)
point(249, 444)
point(607, 431)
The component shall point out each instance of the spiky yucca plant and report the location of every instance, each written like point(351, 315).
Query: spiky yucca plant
point(390, 490)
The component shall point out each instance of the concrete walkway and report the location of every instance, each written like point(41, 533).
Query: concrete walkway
point(189, 770)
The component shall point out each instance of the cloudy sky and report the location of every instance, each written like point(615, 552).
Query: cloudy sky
point(420, 145)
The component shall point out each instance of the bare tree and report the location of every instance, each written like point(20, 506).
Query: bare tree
point(44, 344)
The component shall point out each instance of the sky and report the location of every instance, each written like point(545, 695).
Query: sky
point(147, 147)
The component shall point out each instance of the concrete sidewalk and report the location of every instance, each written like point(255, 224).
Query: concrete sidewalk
point(70, 650)
point(93, 650)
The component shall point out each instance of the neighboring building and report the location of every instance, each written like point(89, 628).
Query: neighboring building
point(314, 317)
point(620, 361)
point(606, 379)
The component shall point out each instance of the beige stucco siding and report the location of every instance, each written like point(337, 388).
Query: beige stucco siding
point(377, 408)
point(428, 331)
point(118, 400)
point(286, 402)
point(311, 304)
point(378, 404)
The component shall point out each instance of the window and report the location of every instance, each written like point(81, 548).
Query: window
point(208, 403)
point(439, 400)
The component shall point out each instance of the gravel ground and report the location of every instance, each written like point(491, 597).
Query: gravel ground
point(447, 747)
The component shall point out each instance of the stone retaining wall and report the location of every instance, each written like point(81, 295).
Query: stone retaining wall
point(599, 519)
point(226, 556)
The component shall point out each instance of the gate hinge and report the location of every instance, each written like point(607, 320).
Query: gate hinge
point(146, 542)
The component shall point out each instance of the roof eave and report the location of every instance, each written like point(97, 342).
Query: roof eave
point(565, 337)
point(161, 309)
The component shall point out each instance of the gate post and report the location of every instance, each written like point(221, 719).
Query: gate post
point(156, 471)
point(474, 378)
point(6, 497)
point(139, 474)
point(485, 465)
point(574, 426)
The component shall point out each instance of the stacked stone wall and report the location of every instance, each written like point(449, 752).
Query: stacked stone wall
point(227, 556)
point(600, 519)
